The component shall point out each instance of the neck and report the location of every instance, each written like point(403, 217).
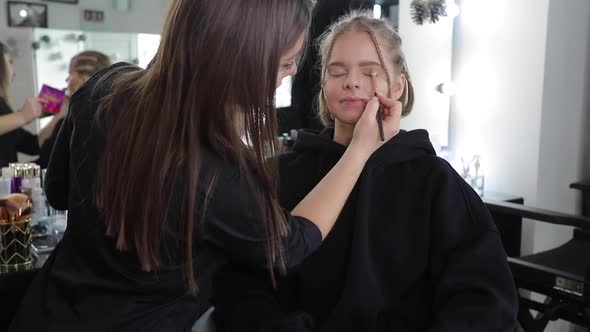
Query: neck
point(343, 133)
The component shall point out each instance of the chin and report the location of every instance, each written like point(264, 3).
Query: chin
point(348, 119)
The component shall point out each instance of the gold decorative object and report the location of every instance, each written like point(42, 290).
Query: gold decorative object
point(15, 231)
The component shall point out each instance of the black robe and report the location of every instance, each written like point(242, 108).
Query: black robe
point(415, 249)
point(88, 285)
point(17, 140)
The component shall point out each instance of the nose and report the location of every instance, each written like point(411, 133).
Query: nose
point(352, 82)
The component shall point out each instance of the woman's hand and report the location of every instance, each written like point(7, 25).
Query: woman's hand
point(31, 109)
point(366, 136)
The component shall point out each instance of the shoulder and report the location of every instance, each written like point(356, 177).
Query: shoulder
point(286, 158)
point(298, 162)
point(86, 99)
point(101, 82)
point(455, 196)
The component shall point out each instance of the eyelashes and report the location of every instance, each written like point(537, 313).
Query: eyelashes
point(367, 74)
point(290, 65)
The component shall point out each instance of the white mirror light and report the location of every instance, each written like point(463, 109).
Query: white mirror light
point(377, 11)
point(452, 9)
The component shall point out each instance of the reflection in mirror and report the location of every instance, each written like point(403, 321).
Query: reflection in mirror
point(54, 49)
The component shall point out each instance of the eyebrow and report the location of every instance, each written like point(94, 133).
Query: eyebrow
point(361, 64)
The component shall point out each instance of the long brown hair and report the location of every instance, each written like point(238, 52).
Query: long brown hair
point(217, 63)
point(4, 79)
point(381, 33)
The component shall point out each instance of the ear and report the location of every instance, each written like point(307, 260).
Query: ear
point(399, 84)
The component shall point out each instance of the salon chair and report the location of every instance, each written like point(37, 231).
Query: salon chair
point(205, 322)
point(562, 274)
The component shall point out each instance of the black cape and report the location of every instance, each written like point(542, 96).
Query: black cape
point(17, 140)
point(414, 249)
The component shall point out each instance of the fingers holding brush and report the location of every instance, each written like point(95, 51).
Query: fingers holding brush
point(391, 113)
point(366, 131)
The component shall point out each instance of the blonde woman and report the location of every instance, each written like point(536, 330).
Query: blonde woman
point(414, 248)
point(82, 66)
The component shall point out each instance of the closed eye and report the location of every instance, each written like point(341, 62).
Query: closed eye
point(288, 65)
point(336, 74)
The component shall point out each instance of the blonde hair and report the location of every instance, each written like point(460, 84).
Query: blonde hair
point(363, 21)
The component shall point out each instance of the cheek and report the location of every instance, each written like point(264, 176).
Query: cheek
point(332, 93)
point(74, 81)
point(383, 89)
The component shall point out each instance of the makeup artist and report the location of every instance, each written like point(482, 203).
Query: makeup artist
point(14, 138)
point(161, 189)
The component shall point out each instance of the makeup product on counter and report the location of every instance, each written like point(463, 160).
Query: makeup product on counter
point(17, 179)
point(15, 230)
point(5, 182)
point(5, 186)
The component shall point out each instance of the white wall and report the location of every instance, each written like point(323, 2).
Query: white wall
point(565, 103)
point(428, 51)
point(586, 140)
point(523, 75)
point(143, 16)
point(499, 68)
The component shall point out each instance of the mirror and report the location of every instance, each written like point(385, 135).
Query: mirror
point(54, 48)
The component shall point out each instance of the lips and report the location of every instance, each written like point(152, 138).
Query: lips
point(354, 102)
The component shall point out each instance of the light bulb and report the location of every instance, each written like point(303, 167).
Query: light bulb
point(377, 11)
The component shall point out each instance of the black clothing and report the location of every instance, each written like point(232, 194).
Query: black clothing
point(88, 285)
point(47, 146)
point(18, 140)
point(414, 249)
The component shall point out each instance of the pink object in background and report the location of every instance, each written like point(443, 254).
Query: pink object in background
point(53, 98)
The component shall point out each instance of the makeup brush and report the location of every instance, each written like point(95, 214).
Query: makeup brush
point(380, 111)
point(15, 207)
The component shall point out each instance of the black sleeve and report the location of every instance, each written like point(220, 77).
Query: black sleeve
point(45, 150)
point(233, 225)
point(243, 297)
point(26, 142)
point(473, 288)
point(57, 178)
point(245, 301)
